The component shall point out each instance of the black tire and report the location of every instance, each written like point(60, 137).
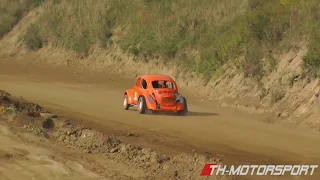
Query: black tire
point(125, 102)
point(142, 106)
point(185, 111)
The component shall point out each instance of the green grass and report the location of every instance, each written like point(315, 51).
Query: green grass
point(33, 38)
point(11, 11)
point(196, 35)
point(312, 59)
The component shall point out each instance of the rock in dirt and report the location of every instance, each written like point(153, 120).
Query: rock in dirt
point(4, 93)
point(6, 100)
point(34, 114)
point(48, 124)
point(132, 135)
point(284, 115)
point(114, 150)
point(48, 115)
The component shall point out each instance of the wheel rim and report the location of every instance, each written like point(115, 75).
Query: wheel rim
point(140, 105)
point(125, 101)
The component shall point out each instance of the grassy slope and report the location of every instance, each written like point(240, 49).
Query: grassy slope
point(200, 36)
point(11, 11)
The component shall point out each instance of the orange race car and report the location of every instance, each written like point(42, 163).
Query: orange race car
point(155, 93)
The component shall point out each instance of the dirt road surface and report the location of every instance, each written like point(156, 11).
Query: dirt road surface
point(25, 156)
point(95, 100)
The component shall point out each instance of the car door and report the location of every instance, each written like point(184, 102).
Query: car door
point(136, 90)
point(141, 86)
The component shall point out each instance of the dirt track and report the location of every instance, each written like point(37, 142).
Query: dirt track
point(25, 156)
point(95, 100)
point(30, 160)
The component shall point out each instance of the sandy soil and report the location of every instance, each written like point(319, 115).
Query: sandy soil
point(25, 156)
point(94, 100)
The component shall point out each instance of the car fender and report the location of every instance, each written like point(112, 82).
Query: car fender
point(130, 94)
point(150, 102)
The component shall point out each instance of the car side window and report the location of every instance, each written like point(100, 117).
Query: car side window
point(144, 84)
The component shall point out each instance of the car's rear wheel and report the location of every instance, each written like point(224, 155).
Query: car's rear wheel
point(125, 102)
point(185, 111)
point(142, 106)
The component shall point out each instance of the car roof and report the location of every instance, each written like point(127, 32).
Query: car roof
point(152, 77)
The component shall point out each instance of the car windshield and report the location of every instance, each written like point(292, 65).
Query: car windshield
point(162, 84)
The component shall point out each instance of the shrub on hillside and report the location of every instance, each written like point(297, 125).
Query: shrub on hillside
point(252, 65)
point(312, 58)
point(11, 11)
point(9, 16)
point(33, 38)
point(312, 61)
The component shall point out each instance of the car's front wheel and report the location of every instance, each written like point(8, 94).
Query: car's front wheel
point(142, 106)
point(125, 102)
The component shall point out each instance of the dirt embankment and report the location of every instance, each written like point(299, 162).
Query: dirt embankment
point(116, 160)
